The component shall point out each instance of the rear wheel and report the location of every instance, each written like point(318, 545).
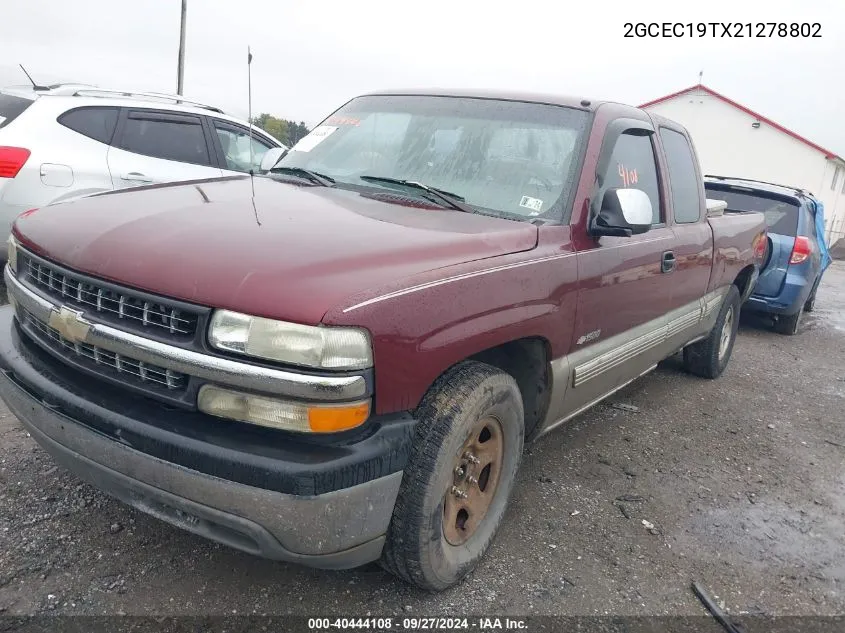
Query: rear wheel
point(810, 304)
point(789, 325)
point(459, 476)
point(709, 357)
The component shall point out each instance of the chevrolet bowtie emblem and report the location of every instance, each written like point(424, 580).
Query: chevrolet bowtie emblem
point(70, 324)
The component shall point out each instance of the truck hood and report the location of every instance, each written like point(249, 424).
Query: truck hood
point(261, 246)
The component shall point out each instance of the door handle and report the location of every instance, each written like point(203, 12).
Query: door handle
point(134, 176)
point(667, 264)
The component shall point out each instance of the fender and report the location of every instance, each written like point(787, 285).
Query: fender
point(421, 329)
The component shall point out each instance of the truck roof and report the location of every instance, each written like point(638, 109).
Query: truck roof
point(580, 103)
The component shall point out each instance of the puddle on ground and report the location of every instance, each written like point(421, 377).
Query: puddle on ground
point(807, 536)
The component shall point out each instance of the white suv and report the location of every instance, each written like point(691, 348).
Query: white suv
point(67, 141)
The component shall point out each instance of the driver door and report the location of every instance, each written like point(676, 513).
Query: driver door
point(625, 286)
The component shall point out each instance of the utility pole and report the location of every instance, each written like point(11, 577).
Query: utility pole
point(180, 81)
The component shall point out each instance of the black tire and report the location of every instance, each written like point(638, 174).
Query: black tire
point(788, 325)
point(810, 304)
point(416, 549)
point(708, 358)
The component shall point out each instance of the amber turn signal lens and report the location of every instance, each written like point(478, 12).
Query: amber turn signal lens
point(301, 417)
point(340, 418)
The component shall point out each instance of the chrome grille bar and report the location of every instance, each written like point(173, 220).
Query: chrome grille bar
point(224, 371)
point(122, 364)
point(122, 305)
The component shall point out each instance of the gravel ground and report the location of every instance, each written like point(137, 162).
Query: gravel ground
point(742, 479)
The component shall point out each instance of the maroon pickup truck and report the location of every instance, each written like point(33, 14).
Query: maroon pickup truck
point(339, 362)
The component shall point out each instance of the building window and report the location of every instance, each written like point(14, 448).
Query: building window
point(835, 178)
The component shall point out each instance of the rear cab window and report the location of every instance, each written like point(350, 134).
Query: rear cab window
point(683, 177)
point(11, 108)
point(95, 122)
point(781, 214)
point(169, 136)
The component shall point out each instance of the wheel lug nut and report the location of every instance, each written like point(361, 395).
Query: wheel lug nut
point(460, 471)
point(460, 494)
point(472, 459)
point(472, 480)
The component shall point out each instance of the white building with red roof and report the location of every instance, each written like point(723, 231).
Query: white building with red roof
point(733, 140)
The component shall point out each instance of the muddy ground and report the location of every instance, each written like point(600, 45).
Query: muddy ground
point(743, 479)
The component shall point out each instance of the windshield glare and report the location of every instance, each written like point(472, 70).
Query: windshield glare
point(510, 158)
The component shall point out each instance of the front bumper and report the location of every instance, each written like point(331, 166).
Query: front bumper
point(257, 490)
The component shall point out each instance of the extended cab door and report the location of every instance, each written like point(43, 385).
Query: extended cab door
point(693, 235)
point(625, 290)
point(155, 146)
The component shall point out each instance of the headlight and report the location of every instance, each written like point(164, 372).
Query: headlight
point(320, 347)
point(12, 253)
point(282, 414)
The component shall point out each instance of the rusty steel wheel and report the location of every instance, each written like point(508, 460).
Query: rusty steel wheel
point(459, 476)
point(476, 475)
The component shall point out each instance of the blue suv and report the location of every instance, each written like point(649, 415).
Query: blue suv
point(797, 253)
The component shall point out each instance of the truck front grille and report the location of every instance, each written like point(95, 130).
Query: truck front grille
point(128, 309)
point(122, 368)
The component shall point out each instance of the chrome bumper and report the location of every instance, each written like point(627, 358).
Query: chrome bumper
point(213, 368)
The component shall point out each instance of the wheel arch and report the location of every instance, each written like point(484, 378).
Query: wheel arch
point(745, 281)
point(526, 360)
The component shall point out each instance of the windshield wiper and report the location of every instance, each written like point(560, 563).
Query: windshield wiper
point(313, 176)
point(446, 198)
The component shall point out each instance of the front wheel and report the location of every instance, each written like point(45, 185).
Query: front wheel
point(459, 476)
point(709, 357)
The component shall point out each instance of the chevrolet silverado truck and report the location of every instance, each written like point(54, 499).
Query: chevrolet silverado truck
point(340, 362)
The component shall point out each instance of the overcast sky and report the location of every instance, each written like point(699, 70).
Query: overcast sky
point(309, 57)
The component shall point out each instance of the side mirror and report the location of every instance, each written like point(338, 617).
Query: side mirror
point(624, 212)
point(271, 157)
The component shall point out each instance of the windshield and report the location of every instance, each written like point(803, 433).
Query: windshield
point(781, 216)
point(507, 158)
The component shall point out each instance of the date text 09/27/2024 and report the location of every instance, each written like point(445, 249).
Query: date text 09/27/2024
point(723, 29)
point(419, 623)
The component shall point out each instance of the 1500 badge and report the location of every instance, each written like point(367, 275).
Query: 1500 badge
point(589, 336)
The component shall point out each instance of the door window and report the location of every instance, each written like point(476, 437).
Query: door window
point(170, 137)
point(632, 165)
point(236, 144)
point(97, 123)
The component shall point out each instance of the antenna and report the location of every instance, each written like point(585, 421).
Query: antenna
point(35, 86)
point(249, 119)
point(249, 96)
